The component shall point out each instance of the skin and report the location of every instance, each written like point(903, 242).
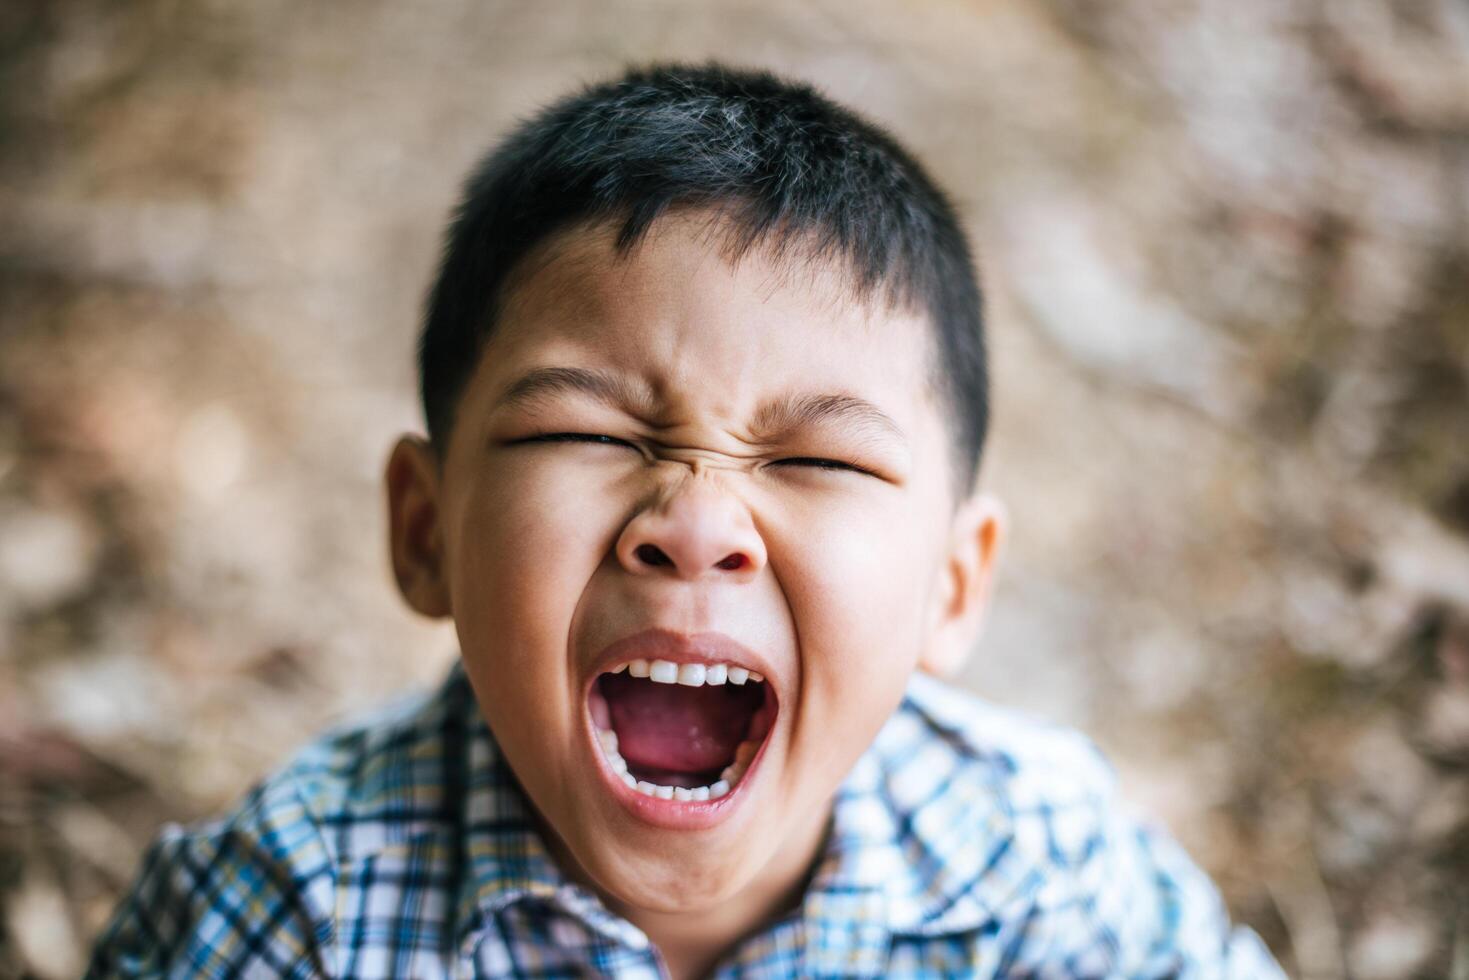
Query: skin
point(848, 580)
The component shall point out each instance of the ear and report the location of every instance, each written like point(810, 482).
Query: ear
point(962, 593)
point(415, 532)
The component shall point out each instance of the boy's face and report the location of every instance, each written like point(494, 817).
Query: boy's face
point(697, 510)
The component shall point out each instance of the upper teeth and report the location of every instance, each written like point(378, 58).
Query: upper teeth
point(690, 675)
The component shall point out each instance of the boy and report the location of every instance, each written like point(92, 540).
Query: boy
point(705, 387)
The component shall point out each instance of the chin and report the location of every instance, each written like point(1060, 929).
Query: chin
point(666, 883)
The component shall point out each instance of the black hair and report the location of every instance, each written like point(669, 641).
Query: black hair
point(783, 162)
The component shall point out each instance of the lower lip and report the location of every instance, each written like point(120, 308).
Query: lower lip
point(673, 814)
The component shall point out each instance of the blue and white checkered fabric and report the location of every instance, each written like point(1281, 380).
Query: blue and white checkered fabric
point(969, 840)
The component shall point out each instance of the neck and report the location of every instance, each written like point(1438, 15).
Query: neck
point(692, 942)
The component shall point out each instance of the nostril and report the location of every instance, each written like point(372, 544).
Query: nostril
point(651, 554)
point(733, 561)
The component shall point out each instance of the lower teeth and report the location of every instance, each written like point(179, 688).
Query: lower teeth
point(727, 780)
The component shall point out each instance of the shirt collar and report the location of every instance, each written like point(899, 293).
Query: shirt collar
point(505, 858)
point(922, 819)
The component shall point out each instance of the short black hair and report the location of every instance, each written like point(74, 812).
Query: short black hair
point(780, 160)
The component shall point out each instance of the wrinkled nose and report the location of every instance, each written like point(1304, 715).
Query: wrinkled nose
point(695, 531)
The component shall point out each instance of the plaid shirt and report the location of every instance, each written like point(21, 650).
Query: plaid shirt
point(969, 840)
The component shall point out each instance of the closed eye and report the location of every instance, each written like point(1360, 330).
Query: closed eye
point(579, 437)
point(821, 464)
point(596, 439)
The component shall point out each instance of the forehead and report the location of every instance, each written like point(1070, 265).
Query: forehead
point(680, 276)
point(678, 327)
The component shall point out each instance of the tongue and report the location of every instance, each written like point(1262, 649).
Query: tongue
point(675, 728)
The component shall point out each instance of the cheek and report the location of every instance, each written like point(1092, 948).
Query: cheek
point(856, 586)
point(528, 547)
point(520, 561)
point(859, 577)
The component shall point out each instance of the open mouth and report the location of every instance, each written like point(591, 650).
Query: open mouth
point(681, 731)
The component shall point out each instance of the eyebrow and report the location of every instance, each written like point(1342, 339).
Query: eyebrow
point(547, 382)
point(774, 417)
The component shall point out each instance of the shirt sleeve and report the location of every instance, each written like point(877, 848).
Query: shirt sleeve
point(1155, 912)
point(211, 903)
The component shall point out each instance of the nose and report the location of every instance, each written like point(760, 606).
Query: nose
point(693, 531)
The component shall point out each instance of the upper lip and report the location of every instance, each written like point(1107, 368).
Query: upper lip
point(657, 643)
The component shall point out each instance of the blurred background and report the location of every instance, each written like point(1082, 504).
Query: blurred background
point(1226, 248)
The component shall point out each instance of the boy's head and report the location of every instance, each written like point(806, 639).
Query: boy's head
point(704, 358)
